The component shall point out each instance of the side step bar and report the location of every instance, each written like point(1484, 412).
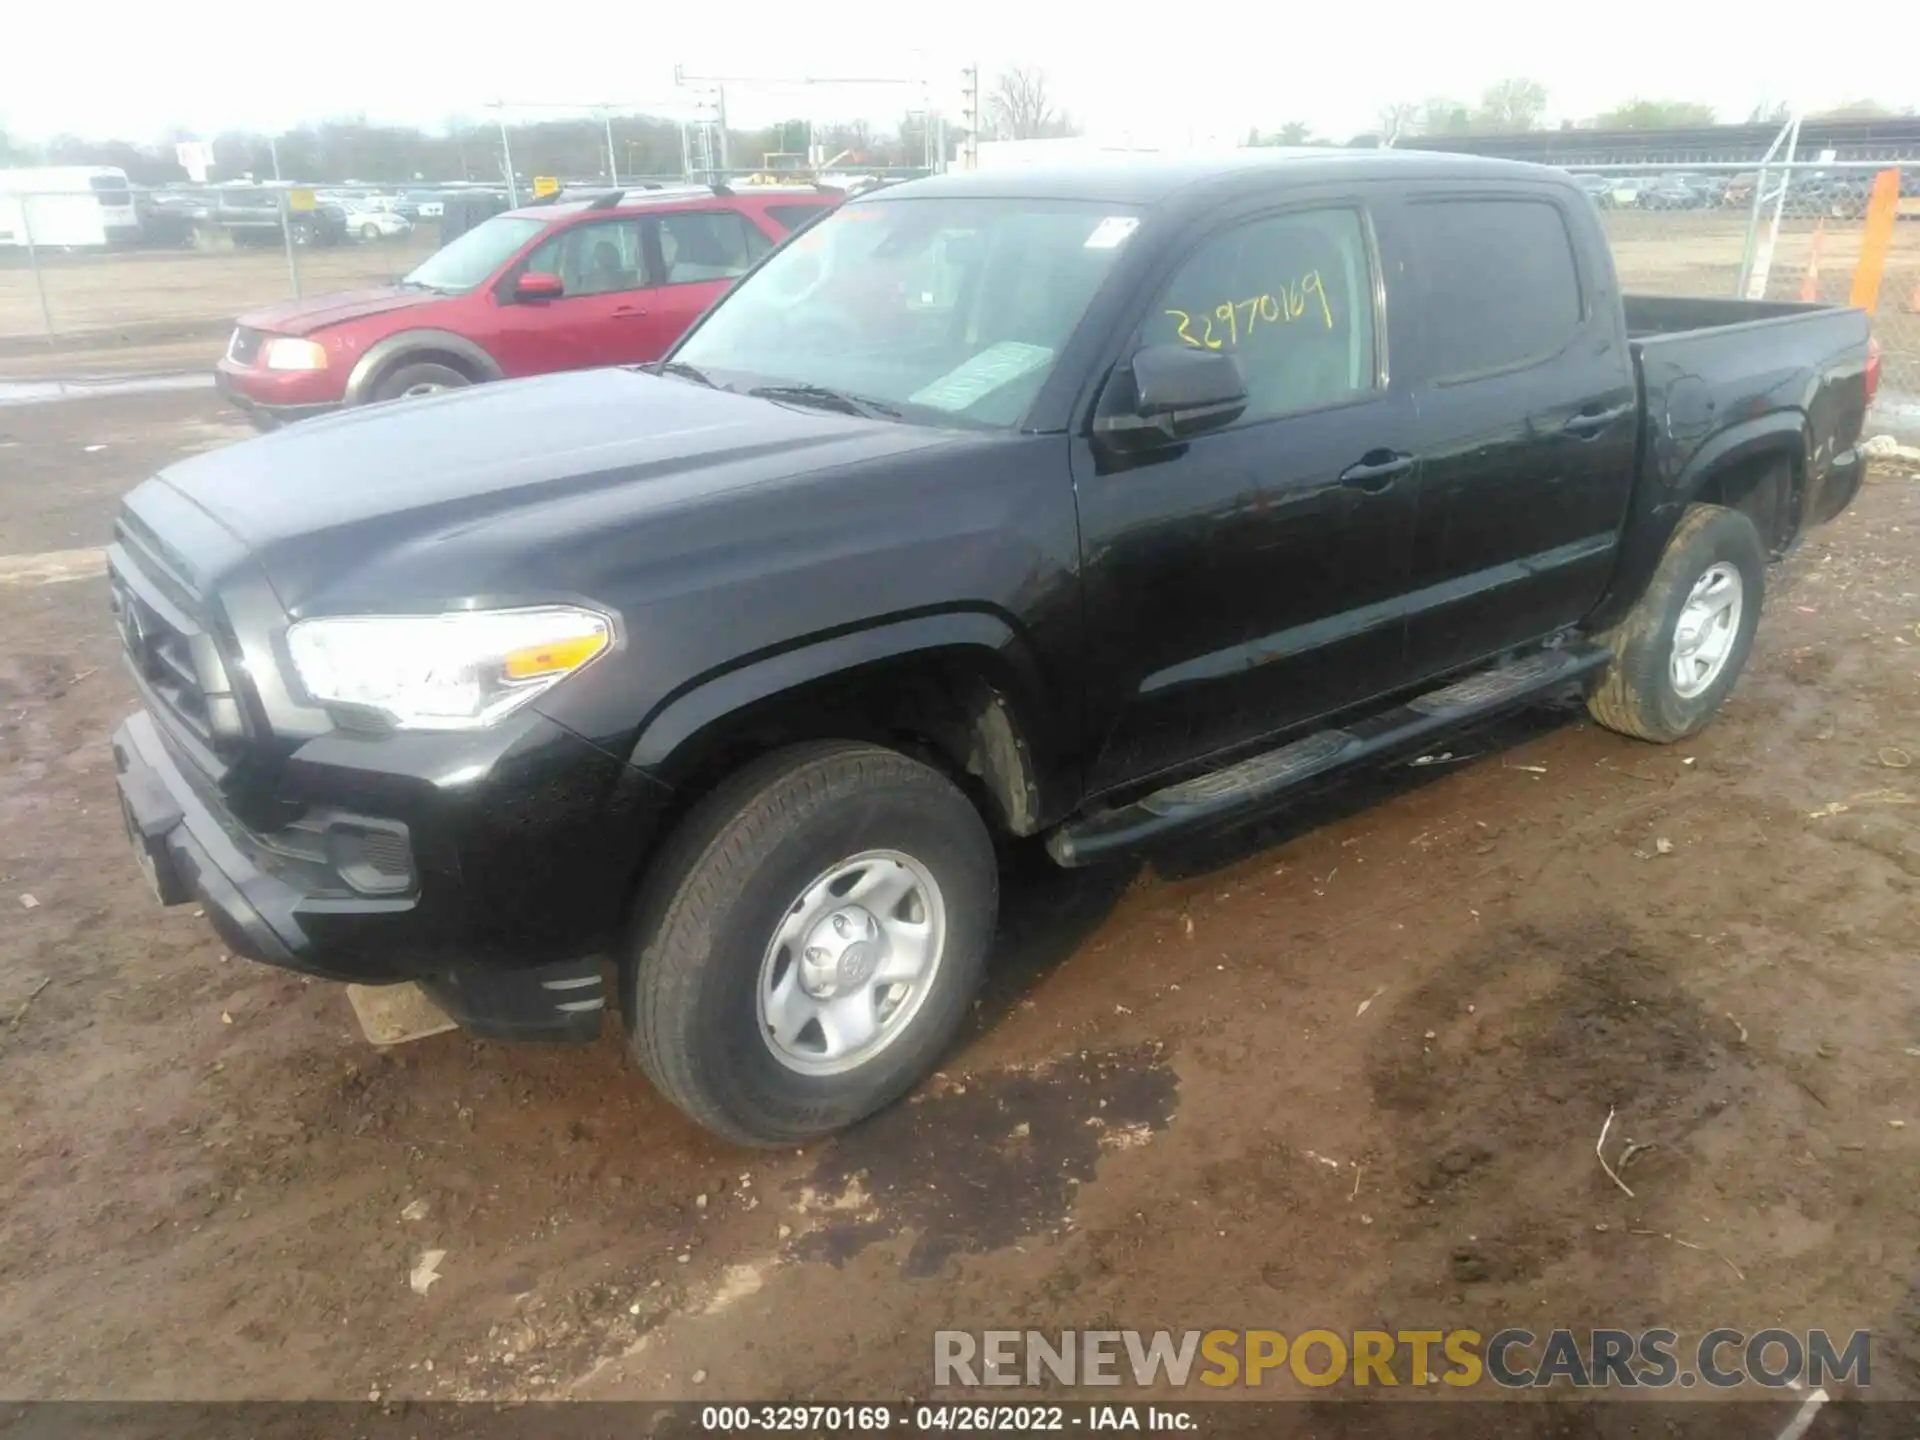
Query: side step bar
point(1250, 786)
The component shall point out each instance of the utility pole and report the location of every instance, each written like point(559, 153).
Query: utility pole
point(970, 117)
point(613, 164)
point(506, 156)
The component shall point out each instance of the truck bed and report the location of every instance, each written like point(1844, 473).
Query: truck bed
point(1652, 315)
point(1730, 382)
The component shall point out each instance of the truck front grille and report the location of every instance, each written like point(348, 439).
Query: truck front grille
point(174, 657)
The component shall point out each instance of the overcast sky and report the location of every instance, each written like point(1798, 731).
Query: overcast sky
point(1157, 71)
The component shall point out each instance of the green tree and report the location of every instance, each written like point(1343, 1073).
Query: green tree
point(1510, 106)
point(1439, 115)
point(1294, 132)
point(1856, 110)
point(1654, 115)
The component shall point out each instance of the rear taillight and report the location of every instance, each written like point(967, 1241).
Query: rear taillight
point(1873, 368)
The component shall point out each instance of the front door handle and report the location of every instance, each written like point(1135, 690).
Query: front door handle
point(630, 312)
point(1592, 422)
point(1377, 471)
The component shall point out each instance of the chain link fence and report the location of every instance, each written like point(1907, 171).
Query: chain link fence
point(85, 270)
point(1786, 232)
point(175, 266)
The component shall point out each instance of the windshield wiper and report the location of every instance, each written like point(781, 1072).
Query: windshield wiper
point(828, 398)
point(684, 370)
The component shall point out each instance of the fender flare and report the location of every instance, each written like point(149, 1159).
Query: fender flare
point(1001, 748)
point(1782, 432)
point(383, 353)
point(1651, 522)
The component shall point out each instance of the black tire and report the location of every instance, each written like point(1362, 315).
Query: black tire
point(727, 878)
point(421, 377)
point(369, 232)
point(1638, 694)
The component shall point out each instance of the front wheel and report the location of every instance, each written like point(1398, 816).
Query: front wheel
point(1680, 649)
point(810, 941)
point(423, 377)
point(369, 233)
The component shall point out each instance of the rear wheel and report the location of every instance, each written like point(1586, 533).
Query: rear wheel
point(1679, 651)
point(369, 232)
point(810, 941)
point(422, 377)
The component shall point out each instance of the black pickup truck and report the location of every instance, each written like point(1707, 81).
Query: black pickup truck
point(1093, 506)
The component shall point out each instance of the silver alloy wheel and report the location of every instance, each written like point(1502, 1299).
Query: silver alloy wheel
point(852, 963)
point(1709, 625)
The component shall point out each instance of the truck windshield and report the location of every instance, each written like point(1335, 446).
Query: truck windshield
point(467, 262)
point(947, 311)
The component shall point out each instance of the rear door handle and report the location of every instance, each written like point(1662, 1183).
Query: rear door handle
point(1592, 422)
point(630, 312)
point(1377, 471)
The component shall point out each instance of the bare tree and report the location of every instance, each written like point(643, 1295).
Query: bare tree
point(1021, 107)
point(1397, 121)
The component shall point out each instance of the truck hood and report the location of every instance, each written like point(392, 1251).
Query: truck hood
point(303, 317)
point(474, 495)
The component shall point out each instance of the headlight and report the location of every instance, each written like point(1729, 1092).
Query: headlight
point(287, 353)
point(457, 671)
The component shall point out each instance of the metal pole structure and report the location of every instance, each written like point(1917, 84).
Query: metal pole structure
point(33, 262)
point(286, 234)
point(613, 165)
point(720, 103)
point(506, 158)
point(1757, 256)
point(273, 149)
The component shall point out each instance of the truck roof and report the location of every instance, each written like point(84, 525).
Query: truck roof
point(1132, 178)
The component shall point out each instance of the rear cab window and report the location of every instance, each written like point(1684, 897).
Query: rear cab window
point(1501, 287)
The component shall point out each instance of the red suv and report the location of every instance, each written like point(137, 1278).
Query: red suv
point(609, 281)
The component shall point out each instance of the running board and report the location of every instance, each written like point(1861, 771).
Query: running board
point(1250, 786)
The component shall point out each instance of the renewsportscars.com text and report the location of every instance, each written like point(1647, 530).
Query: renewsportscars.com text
point(1511, 1358)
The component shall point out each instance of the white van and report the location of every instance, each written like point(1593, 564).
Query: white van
point(67, 205)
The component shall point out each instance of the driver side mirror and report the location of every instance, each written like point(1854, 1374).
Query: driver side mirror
point(1176, 391)
point(538, 285)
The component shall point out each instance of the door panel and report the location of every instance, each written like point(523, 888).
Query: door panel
point(598, 317)
point(1236, 585)
point(696, 255)
point(1525, 394)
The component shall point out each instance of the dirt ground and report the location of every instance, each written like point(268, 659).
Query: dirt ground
point(1348, 1071)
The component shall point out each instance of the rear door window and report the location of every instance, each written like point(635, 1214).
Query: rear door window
point(1501, 289)
point(697, 246)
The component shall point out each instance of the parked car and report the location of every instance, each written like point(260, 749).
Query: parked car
point(608, 281)
point(1074, 506)
point(252, 215)
point(1597, 188)
point(370, 222)
point(1672, 192)
point(426, 204)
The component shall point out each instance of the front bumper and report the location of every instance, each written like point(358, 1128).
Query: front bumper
point(265, 400)
point(481, 946)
